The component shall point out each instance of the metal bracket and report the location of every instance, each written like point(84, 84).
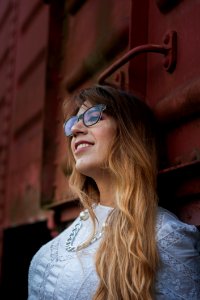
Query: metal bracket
point(168, 49)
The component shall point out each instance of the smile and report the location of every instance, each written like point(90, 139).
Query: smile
point(82, 146)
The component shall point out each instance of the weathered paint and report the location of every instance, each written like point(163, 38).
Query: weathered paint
point(82, 39)
point(24, 30)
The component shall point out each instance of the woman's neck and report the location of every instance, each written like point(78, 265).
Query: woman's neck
point(107, 191)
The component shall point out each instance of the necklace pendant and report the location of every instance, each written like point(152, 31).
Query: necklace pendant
point(84, 215)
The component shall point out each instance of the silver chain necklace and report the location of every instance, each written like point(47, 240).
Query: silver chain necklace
point(84, 215)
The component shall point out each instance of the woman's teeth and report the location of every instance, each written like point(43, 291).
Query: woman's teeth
point(82, 146)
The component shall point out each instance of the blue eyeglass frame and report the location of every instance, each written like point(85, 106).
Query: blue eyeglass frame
point(101, 108)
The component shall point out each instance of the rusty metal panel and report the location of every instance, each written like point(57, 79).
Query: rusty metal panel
point(52, 115)
point(106, 24)
point(168, 80)
point(184, 18)
point(27, 43)
point(183, 142)
point(33, 150)
point(174, 96)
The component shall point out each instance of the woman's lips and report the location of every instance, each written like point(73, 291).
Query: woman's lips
point(81, 146)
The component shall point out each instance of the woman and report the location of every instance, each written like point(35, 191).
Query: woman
point(122, 246)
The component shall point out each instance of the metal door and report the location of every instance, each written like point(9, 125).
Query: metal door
point(171, 85)
point(169, 81)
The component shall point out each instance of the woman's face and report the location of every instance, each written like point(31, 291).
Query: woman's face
point(90, 145)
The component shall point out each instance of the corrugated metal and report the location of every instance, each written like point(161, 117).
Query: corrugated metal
point(25, 30)
point(173, 96)
point(168, 80)
point(82, 39)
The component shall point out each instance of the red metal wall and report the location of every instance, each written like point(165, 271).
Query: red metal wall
point(48, 49)
point(167, 78)
point(22, 95)
point(174, 96)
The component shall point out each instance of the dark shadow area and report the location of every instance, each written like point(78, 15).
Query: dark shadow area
point(19, 246)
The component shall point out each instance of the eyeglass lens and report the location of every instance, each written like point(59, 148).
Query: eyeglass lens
point(90, 117)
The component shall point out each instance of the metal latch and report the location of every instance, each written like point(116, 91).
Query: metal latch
point(168, 49)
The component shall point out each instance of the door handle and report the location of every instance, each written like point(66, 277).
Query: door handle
point(168, 49)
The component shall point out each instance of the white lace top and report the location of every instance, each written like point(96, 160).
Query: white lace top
point(56, 274)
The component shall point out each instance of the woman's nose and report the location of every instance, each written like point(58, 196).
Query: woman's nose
point(78, 128)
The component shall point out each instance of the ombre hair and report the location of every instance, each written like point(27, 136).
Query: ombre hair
point(127, 258)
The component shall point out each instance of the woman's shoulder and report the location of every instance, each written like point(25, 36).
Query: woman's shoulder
point(179, 246)
point(170, 230)
point(170, 222)
point(165, 216)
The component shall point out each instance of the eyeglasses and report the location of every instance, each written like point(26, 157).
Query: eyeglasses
point(90, 117)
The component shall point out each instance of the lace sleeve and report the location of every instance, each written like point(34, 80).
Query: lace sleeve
point(179, 273)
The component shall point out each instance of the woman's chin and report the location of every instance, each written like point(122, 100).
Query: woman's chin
point(84, 168)
point(90, 170)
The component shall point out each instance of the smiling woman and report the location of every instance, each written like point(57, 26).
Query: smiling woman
point(91, 143)
point(123, 245)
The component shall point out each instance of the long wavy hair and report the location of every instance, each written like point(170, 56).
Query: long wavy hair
point(127, 259)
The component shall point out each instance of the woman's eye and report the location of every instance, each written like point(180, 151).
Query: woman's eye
point(93, 118)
